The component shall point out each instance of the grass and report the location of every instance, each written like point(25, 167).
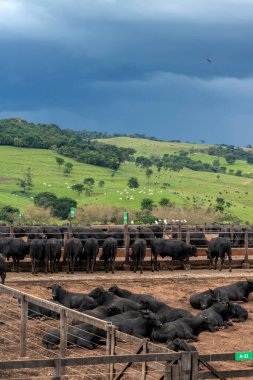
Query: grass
point(187, 188)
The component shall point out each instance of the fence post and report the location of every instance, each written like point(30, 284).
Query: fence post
point(11, 231)
point(127, 243)
point(245, 264)
point(168, 371)
point(179, 232)
point(63, 340)
point(70, 232)
point(144, 364)
point(23, 326)
point(113, 342)
point(195, 365)
point(109, 374)
point(186, 365)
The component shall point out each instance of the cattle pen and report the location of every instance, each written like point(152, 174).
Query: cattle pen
point(121, 355)
point(241, 238)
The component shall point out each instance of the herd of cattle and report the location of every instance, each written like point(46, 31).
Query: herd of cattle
point(144, 316)
point(45, 246)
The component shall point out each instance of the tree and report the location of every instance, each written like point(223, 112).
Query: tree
point(26, 182)
point(8, 213)
point(149, 173)
point(220, 204)
point(68, 167)
point(61, 207)
point(165, 202)
point(143, 162)
point(133, 183)
point(45, 199)
point(78, 188)
point(101, 183)
point(147, 204)
point(230, 159)
point(60, 161)
point(88, 185)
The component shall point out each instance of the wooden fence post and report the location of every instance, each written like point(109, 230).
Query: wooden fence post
point(109, 374)
point(144, 364)
point(186, 366)
point(63, 340)
point(168, 371)
point(112, 352)
point(245, 264)
point(188, 237)
point(11, 231)
point(179, 231)
point(70, 231)
point(195, 365)
point(127, 243)
point(23, 326)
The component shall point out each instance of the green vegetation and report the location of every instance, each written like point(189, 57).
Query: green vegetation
point(172, 175)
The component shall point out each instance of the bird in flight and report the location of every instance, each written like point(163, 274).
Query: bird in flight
point(209, 60)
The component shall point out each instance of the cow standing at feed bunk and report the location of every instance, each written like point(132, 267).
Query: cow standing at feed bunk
point(138, 254)
point(218, 248)
point(109, 253)
point(2, 268)
point(72, 251)
point(176, 249)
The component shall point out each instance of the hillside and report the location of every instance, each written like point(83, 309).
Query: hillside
point(185, 188)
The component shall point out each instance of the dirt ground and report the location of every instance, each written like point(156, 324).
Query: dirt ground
point(174, 288)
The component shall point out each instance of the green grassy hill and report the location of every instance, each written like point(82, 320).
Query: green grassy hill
point(186, 188)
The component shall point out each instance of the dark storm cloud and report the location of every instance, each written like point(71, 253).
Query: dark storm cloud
point(130, 66)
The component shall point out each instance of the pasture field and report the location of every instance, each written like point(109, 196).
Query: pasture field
point(185, 188)
point(174, 288)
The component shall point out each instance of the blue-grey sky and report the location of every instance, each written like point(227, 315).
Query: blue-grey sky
point(131, 66)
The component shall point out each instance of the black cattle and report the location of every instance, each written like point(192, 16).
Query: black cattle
point(180, 345)
point(138, 253)
point(239, 291)
point(90, 252)
point(35, 232)
point(71, 299)
point(176, 249)
point(19, 231)
point(72, 251)
point(157, 230)
point(36, 311)
point(146, 234)
point(82, 233)
point(53, 254)
point(15, 248)
point(134, 234)
point(218, 314)
point(4, 231)
point(127, 294)
point(165, 312)
point(100, 312)
point(218, 248)
point(2, 268)
point(106, 298)
point(38, 255)
point(196, 238)
point(83, 335)
point(239, 313)
point(141, 326)
point(118, 234)
point(183, 328)
point(204, 299)
point(109, 253)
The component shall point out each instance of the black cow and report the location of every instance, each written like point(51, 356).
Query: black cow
point(72, 251)
point(109, 253)
point(83, 335)
point(176, 249)
point(146, 234)
point(15, 248)
point(183, 328)
point(38, 255)
point(239, 313)
point(218, 314)
point(71, 299)
point(124, 293)
point(100, 312)
point(239, 291)
point(90, 252)
point(53, 232)
point(2, 268)
point(53, 254)
point(36, 311)
point(218, 248)
point(180, 345)
point(106, 298)
point(138, 253)
point(141, 326)
point(165, 312)
point(204, 299)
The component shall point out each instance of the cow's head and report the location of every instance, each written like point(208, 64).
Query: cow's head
point(194, 251)
point(113, 289)
point(250, 285)
point(97, 292)
point(55, 291)
point(152, 317)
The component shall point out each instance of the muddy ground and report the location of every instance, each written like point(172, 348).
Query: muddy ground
point(174, 288)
